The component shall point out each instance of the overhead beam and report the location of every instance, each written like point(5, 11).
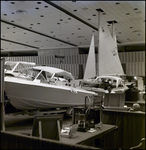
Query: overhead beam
point(19, 43)
point(37, 32)
point(19, 53)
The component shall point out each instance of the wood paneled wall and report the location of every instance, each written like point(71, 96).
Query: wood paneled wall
point(135, 61)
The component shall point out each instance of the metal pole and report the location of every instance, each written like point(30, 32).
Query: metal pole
point(2, 96)
point(98, 39)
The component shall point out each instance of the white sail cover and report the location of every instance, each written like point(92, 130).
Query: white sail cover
point(90, 70)
point(109, 62)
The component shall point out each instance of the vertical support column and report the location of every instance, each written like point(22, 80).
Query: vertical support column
point(98, 39)
point(99, 26)
point(2, 96)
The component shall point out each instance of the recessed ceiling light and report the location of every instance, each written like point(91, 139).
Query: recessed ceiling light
point(135, 8)
point(37, 41)
point(80, 37)
point(85, 8)
point(20, 11)
point(136, 31)
point(38, 2)
point(103, 13)
point(127, 13)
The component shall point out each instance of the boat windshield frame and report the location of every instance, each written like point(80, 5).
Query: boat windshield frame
point(16, 66)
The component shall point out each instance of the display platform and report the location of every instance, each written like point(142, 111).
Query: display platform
point(85, 138)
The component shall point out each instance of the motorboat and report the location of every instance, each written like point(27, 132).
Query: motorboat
point(43, 87)
point(105, 84)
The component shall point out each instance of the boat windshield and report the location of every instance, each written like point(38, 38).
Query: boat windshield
point(9, 65)
point(101, 82)
point(32, 73)
point(22, 67)
point(61, 76)
point(38, 74)
point(17, 67)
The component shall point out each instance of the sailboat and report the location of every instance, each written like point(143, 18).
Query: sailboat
point(90, 70)
point(109, 66)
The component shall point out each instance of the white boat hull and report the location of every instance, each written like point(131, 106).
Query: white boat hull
point(27, 95)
